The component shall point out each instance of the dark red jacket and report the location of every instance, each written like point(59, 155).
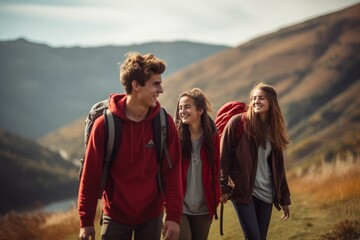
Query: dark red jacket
point(131, 194)
point(210, 176)
point(239, 158)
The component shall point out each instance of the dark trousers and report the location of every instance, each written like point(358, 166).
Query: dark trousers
point(254, 218)
point(150, 230)
point(195, 227)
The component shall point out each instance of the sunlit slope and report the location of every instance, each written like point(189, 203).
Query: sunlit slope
point(315, 67)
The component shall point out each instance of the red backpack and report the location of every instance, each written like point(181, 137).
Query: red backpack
point(224, 114)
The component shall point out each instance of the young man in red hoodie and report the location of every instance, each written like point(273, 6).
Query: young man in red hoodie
point(132, 201)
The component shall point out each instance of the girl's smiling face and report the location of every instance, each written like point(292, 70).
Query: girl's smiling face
point(260, 103)
point(188, 112)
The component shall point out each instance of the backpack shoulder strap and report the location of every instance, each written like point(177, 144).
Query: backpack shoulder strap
point(160, 130)
point(163, 123)
point(112, 142)
point(160, 134)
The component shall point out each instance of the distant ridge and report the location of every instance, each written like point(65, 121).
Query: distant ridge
point(43, 88)
point(31, 175)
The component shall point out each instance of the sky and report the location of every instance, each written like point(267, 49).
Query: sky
point(86, 23)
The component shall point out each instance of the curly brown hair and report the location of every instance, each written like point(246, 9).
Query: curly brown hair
point(139, 68)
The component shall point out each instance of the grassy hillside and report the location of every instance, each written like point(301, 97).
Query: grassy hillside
point(337, 127)
point(325, 206)
point(69, 138)
point(315, 67)
point(32, 175)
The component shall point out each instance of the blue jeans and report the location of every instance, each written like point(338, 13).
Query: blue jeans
point(254, 218)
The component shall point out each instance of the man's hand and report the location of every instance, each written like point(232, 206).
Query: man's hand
point(171, 230)
point(87, 232)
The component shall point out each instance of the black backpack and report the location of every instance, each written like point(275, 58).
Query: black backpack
point(113, 126)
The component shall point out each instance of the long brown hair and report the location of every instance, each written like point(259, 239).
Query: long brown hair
point(201, 103)
point(274, 126)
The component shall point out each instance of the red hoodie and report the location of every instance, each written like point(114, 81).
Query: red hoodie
point(131, 195)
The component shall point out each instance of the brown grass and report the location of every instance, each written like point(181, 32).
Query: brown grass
point(21, 226)
point(38, 225)
point(333, 188)
point(329, 182)
point(60, 225)
point(344, 230)
point(325, 206)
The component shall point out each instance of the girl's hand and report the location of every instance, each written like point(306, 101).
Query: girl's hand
point(286, 214)
point(224, 197)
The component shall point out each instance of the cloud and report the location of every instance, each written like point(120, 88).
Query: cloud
point(84, 14)
point(124, 22)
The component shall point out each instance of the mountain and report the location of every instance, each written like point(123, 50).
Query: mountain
point(315, 68)
point(43, 88)
point(32, 175)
